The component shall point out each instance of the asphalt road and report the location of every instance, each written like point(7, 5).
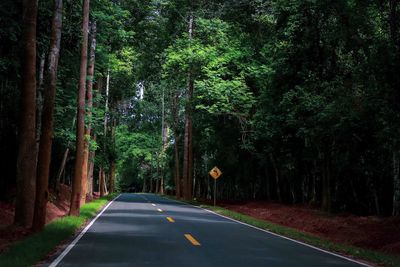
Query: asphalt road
point(147, 230)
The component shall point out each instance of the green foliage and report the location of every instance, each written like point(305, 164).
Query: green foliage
point(365, 254)
point(139, 150)
point(36, 247)
point(286, 93)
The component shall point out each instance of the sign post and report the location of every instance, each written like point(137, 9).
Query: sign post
point(215, 191)
point(215, 173)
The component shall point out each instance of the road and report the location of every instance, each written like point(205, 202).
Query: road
point(148, 230)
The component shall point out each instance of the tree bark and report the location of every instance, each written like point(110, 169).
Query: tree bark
point(80, 125)
point(112, 167)
point(101, 182)
point(178, 187)
point(26, 161)
point(92, 154)
point(62, 168)
point(46, 139)
point(106, 104)
point(157, 184)
point(105, 183)
point(187, 174)
point(277, 177)
point(90, 172)
point(39, 99)
point(89, 94)
point(112, 177)
point(326, 181)
point(164, 138)
point(175, 114)
point(396, 184)
point(64, 161)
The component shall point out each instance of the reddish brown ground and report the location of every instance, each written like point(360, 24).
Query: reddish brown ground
point(56, 207)
point(367, 232)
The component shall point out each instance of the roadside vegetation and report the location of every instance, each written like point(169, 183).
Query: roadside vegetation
point(295, 101)
point(356, 253)
point(379, 258)
point(31, 250)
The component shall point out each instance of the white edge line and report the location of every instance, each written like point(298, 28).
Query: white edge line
point(278, 235)
point(73, 243)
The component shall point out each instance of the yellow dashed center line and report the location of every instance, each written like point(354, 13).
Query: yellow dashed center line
point(160, 210)
point(170, 219)
point(192, 240)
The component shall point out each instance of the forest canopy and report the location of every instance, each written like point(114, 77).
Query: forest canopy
point(295, 101)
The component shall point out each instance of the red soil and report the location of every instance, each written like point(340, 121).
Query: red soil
point(56, 207)
point(369, 232)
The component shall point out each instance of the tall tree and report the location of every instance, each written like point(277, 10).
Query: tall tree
point(88, 129)
point(46, 137)
point(395, 38)
point(80, 125)
point(26, 162)
point(187, 174)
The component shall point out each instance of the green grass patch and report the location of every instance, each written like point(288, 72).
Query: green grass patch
point(350, 251)
point(36, 247)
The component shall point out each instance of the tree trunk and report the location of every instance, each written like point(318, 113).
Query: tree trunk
point(157, 185)
point(177, 176)
point(90, 172)
point(92, 154)
point(178, 187)
point(80, 125)
point(46, 139)
point(187, 174)
point(112, 177)
point(151, 184)
point(26, 161)
point(112, 167)
point(144, 189)
point(267, 185)
point(314, 183)
point(326, 181)
point(102, 177)
point(277, 177)
point(39, 99)
point(89, 94)
point(101, 182)
point(106, 104)
point(396, 184)
point(62, 169)
point(105, 183)
point(164, 138)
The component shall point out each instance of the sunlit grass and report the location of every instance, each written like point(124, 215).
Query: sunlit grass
point(36, 247)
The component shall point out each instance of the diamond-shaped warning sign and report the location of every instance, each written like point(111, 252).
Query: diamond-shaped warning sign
point(215, 173)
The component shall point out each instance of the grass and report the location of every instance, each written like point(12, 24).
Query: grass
point(36, 247)
point(371, 256)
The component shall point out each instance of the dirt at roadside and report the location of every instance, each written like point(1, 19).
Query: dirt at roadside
point(56, 207)
point(369, 232)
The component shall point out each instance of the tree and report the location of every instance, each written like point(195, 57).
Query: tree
point(26, 162)
point(46, 137)
point(89, 93)
point(187, 173)
point(80, 125)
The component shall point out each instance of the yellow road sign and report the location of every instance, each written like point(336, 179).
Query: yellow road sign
point(215, 173)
